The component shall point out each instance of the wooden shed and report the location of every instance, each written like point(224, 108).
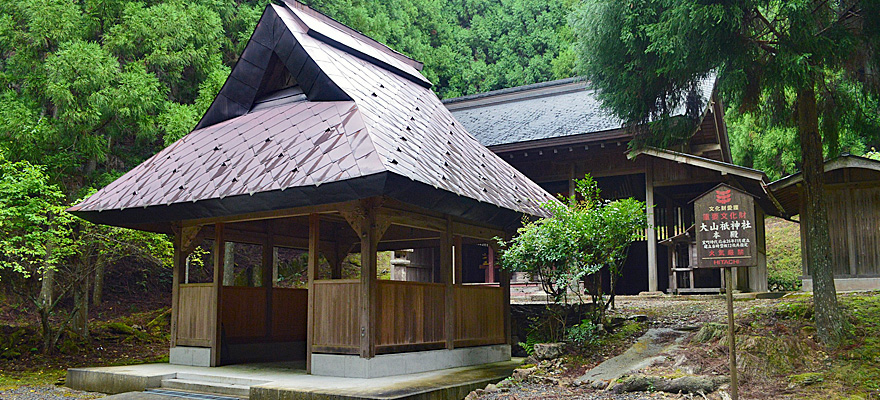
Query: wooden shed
point(852, 193)
point(328, 146)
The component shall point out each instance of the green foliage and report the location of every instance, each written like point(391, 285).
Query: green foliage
point(585, 333)
point(763, 51)
point(468, 46)
point(34, 231)
point(576, 243)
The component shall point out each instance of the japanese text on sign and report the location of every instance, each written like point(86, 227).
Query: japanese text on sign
point(726, 231)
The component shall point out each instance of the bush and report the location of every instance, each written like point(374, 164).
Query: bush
point(584, 334)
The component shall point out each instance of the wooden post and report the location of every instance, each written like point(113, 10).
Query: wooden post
point(446, 270)
point(314, 243)
point(731, 335)
point(268, 283)
point(490, 267)
point(219, 258)
point(457, 252)
point(369, 245)
point(505, 287)
point(651, 234)
point(179, 262)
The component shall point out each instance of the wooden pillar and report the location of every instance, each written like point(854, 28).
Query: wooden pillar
point(457, 261)
point(651, 234)
point(490, 267)
point(179, 262)
point(268, 282)
point(314, 243)
point(369, 244)
point(446, 270)
point(219, 258)
point(505, 288)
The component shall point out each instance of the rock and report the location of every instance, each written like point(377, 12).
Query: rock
point(710, 332)
point(474, 395)
point(638, 318)
point(807, 379)
point(685, 384)
point(616, 321)
point(523, 373)
point(491, 388)
point(549, 351)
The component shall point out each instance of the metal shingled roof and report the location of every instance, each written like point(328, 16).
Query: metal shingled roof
point(385, 122)
point(542, 111)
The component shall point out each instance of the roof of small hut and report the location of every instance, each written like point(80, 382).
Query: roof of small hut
point(316, 113)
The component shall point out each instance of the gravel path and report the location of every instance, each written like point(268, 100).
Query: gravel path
point(47, 392)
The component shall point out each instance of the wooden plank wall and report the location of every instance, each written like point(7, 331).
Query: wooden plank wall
point(244, 312)
point(289, 314)
point(194, 320)
point(838, 227)
point(410, 313)
point(479, 315)
point(337, 303)
point(866, 207)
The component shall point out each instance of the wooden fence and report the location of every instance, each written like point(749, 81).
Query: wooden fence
point(194, 320)
point(479, 315)
point(410, 316)
point(337, 304)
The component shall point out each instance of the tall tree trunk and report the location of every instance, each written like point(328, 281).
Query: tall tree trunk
point(829, 325)
point(45, 302)
point(98, 291)
point(81, 305)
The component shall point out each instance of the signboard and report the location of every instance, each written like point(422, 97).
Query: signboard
point(725, 228)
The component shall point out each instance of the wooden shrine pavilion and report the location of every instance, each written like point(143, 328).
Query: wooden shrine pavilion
point(326, 144)
point(852, 195)
point(555, 132)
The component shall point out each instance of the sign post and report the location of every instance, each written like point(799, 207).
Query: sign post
point(726, 239)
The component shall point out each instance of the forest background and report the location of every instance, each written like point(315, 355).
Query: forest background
point(91, 88)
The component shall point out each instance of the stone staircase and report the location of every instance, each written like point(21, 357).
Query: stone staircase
point(206, 387)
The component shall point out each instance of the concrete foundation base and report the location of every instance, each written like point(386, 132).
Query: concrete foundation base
point(280, 381)
point(847, 284)
point(352, 366)
point(195, 356)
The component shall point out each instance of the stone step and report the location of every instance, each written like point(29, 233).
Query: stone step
point(233, 380)
point(219, 388)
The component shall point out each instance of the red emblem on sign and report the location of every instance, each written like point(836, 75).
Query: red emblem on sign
point(722, 196)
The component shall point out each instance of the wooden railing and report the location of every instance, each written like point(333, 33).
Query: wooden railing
point(290, 311)
point(336, 325)
point(479, 315)
point(410, 316)
point(195, 318)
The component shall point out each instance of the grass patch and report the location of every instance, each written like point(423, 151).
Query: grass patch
point(783, 254)
point(10, 380)
point(780, 349)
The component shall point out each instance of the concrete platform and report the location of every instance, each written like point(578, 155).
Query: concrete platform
point(280, 381)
